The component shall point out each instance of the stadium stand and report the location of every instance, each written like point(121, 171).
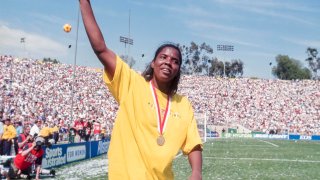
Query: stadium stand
point(31, 90)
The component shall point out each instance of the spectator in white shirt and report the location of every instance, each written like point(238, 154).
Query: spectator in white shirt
point(35, 130)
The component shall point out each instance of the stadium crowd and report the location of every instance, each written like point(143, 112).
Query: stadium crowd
point(33, 91)
point(264, 105)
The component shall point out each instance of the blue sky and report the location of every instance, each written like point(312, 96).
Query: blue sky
point(258, 30)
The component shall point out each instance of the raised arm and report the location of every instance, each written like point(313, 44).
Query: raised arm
point(105, 55)
point(27, 151)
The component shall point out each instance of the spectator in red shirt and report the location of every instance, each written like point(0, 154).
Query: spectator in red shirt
point(21, 166)
point(24, 139)
point(87, 129)
point(96, 130)
point(79, 126)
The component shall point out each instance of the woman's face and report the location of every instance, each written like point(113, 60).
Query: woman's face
point(166, 65)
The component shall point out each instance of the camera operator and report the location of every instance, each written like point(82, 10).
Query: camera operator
point(21, 165)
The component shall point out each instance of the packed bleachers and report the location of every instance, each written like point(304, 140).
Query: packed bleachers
point(33, 90)
point(257, 104)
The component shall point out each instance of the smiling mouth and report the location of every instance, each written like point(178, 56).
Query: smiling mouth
point(166, 71)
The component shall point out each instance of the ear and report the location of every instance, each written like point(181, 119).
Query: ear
point(152, 64)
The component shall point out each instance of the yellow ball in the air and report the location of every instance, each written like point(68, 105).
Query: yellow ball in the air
point(67, 28)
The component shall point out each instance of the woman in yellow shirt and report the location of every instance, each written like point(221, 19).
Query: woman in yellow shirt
point(9, 133)
point(54, 130)
point(153, 122)
point(45, 132)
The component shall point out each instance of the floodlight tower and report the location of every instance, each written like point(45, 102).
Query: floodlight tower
point(225, 48)
point(127, 40)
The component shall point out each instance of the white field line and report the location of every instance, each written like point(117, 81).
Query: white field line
point(256, 145)
point(269, 143)
point(180, 154)
point(258, 159)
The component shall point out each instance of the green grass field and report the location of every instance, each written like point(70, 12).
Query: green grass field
point(229, 159)
point(256, 159)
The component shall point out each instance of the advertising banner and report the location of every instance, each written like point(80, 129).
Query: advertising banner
point(315, 137)
point(61, 154)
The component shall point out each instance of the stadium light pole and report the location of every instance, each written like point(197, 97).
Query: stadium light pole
point(224, 48)
point(74, 66)
point(127, 40)
point(208, 68)
point(270, 65)
point(23, 40)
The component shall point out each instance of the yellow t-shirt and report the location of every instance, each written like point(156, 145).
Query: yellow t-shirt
point(134, 152)
point(54, 129)
point(9, 132)
point(45, 132)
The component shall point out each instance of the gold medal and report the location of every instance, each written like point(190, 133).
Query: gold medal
point(160, 140)
point(161, 124)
